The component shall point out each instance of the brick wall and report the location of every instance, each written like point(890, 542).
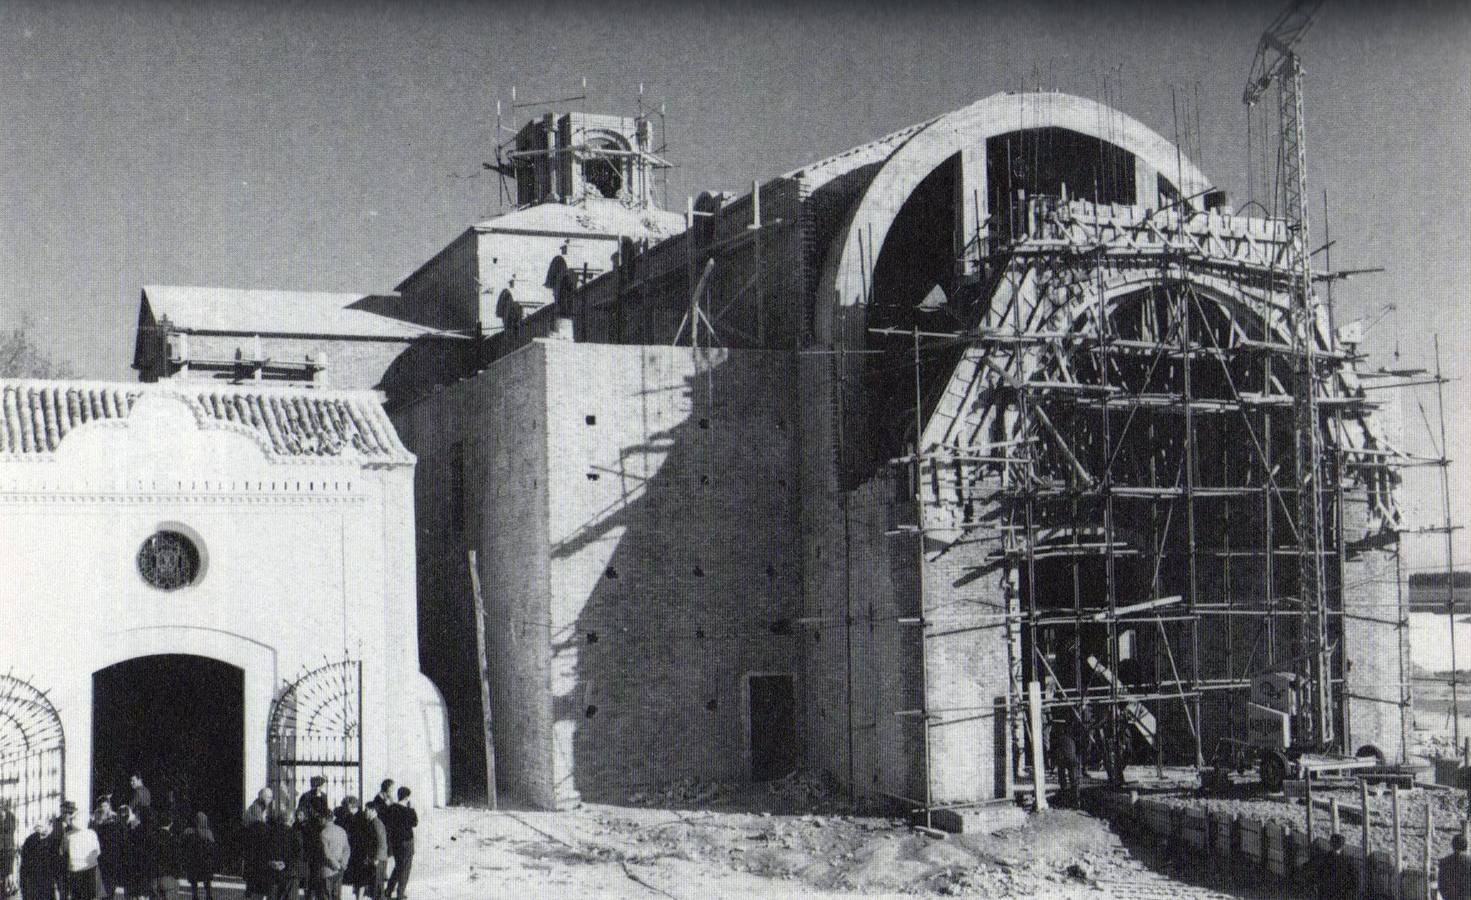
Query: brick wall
point(624, 610)
point(673, 558)
point(481, 482)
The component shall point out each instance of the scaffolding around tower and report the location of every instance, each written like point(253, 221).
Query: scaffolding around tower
point(1123, 412)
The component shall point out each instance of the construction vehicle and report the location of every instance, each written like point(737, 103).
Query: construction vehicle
point(1278, 700)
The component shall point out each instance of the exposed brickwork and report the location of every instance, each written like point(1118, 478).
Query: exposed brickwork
point(481, 483)
point(692, 510)
point(626, 609)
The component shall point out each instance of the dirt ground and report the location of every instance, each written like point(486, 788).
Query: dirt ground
point(730, 844)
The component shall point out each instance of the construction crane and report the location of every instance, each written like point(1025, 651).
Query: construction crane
point(1277, 62)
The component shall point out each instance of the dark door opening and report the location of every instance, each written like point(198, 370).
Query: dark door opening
point(773, 712)
point(178, 721)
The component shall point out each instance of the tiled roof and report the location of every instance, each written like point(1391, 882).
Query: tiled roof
point(36, 416)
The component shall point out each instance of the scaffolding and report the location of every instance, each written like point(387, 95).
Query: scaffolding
point(1125, 404)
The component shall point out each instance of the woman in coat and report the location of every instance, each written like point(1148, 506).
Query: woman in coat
point(201, 857)
point(369, 844)
point(255, 848)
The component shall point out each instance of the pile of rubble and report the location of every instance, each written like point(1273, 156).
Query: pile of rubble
point(684, 792)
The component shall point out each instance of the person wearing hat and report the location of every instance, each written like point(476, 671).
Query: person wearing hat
point(315, 799)
point(81, 852)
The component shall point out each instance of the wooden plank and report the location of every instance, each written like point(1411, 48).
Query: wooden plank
point(1034, 719)
point(487, 724)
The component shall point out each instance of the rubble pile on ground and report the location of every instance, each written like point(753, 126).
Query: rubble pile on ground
point(684, 792)
point(807, 789)
point(1436, 746)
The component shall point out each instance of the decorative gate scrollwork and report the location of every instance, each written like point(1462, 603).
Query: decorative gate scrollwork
point(316, 729)
point(32, 770)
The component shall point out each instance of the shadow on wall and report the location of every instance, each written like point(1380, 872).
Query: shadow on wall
point(674, 569)
point(425, 364)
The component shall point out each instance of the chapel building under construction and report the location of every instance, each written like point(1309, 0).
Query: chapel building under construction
point(837, 472)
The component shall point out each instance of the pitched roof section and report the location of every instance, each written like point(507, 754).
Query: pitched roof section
point(289, 423)
point(229, 310)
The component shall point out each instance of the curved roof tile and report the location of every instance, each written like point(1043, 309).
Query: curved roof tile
point(35, 416)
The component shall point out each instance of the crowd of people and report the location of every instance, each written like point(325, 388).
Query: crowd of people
point(309, 852)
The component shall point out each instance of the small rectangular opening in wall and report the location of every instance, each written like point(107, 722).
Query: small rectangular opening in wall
point(772, 715)
point(591, 420)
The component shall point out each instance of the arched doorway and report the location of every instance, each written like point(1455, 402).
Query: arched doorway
point(178, 722)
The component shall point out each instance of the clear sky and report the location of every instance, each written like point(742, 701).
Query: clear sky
point(335, 146)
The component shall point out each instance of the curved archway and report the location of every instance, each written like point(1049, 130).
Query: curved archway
point(316, 729)
point(177, 720)
point(847, 277)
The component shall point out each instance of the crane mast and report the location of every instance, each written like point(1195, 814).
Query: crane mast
point(1277, 61)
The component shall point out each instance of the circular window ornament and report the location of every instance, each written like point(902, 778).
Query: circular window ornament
point(168, 560)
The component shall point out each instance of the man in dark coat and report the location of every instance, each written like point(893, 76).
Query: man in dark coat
point(384, 798)
point(400, 820)
point(1065, 760)
point(8, 850)
point(315, 799)
point(294, 876)
point(109, 827)
point(142, 801)
point(38, 865)
point(311, 842)
point(1454, 878)
point(139, 851)
point(264, 859)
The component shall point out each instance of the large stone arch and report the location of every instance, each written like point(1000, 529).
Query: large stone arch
point(256, 660)
point(847, 274)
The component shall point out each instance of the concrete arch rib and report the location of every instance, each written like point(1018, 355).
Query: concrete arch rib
point(847, 275)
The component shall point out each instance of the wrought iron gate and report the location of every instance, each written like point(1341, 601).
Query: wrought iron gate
point(32, 770)
point(316, 729)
